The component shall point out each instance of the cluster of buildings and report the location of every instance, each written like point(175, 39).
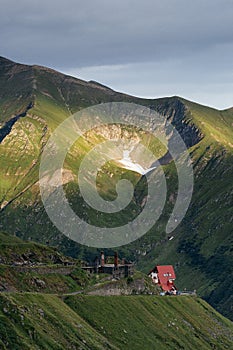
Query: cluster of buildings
point(118, 269)
point(162, 275)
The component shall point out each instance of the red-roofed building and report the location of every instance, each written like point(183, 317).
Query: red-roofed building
point(164, 276)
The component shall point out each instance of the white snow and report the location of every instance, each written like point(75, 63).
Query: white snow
point(129, 164)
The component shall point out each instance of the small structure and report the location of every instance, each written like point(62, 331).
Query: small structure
point(164, 276)
point(118, 269)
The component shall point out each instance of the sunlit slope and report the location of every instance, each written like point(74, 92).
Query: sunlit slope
point(201, 246)
point(216, 125)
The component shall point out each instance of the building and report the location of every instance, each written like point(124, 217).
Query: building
point(118, 269)
point(164, 276)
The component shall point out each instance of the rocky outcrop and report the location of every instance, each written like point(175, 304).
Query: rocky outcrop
point(175, 111)
point(128, 286)
point(7, 127)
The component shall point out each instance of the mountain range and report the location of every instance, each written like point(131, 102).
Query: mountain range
point(34, 100)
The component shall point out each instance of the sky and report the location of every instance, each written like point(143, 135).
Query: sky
point(146, 48)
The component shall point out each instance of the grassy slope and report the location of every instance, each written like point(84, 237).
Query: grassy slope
point(202, 247)
point(34, 321)
point(16, 89)
point(14, 249)
point(33, 267)
point(47, 322)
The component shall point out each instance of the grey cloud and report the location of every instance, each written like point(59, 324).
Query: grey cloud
point(196, 36)
point(103, 32)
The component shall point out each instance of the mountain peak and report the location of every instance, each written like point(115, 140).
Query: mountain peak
point(4, 60)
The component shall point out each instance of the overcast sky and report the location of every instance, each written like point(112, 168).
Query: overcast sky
point(147, 48)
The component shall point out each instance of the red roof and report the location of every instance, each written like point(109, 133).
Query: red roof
point(166, 271)
point(166, 275)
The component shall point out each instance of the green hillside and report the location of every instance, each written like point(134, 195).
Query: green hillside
point(13, 249)
point(200, 248)
point(32, 267)
point(33, 317)
point(38, 321)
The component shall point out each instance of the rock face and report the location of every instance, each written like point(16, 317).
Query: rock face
point(7, 127)
point(137, 286)
point(178, 114)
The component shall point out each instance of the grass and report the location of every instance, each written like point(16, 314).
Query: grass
point(153, 322)
point(202, 243)
point(33, 267)
point(38, 321)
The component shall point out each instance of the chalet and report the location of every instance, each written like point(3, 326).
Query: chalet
point(164, 276)
point(118, 269)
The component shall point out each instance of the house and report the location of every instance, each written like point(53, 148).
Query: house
point(164, 276)
point(118, 269)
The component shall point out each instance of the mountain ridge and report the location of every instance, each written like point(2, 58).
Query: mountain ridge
point(100, 85)
point(202, 240)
